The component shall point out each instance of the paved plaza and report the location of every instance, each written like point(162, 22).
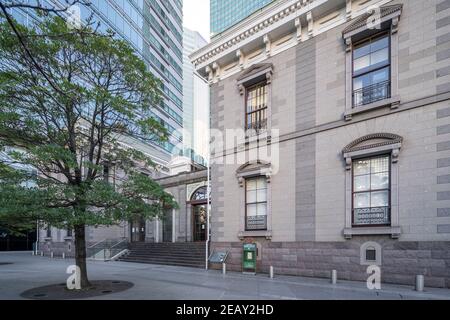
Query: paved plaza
point(21, 271)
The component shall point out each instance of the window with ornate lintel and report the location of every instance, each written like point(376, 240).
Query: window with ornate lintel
point(372, 61)
point(255, 200)
point(254, 85)
point(371, 185)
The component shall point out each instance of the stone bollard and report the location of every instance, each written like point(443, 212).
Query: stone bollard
point(333, 277)
point(271, 272)
point(224, 268)
point(42, 253)
point(51, 254)
point(420, 283)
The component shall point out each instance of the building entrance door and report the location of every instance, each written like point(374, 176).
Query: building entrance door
point(137, 230)
point(200, 220)
point(167, 225)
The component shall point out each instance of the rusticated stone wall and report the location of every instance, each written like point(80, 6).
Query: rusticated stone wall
point(401, 261)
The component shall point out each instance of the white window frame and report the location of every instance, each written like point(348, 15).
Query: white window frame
point(247, 171)
point(358, 31)
point(256, 74)
point(369, 146)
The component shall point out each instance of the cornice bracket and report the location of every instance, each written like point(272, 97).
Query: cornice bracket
point(241, 57)
point(298, 25)
point(210, 73)
point(309, 18)
point(268, 44)
point(216, 69)
point(348, 10)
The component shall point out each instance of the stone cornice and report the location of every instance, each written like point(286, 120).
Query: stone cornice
point(277, 27)
point(183, 178)
point(281, 11)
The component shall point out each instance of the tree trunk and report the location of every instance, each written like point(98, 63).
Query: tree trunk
point(80, 255)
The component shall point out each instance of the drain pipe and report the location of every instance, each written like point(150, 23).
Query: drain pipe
point(36, 248)
point(208, 211)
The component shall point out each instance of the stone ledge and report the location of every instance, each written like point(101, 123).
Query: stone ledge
point(393, 103)
point(394, 232)
point(255, 234)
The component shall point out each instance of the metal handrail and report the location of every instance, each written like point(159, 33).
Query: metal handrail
point(106, 248)
point(97, 243)
point(124, 240)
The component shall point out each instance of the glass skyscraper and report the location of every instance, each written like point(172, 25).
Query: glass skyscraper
point(154, 28)
point(226, 13)
point(195, 102)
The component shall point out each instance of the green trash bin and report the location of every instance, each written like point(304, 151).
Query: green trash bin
point(249, 258)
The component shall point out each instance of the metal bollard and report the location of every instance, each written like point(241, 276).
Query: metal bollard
point(333, 277)
point(51, 254)
point(42, 253)
point(224, 268)
point(63, 255)
point(420, 283)
point(271, 272)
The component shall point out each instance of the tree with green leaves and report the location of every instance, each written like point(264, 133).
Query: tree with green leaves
point(68, 110)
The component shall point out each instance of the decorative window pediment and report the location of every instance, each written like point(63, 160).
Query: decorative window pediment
point(254, 169)
point(371, 141)
point(388, 16)
point(256, 73)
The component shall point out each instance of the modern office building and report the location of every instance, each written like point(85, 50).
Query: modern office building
point(226, 13)
point(356, 111)
point(154, 29)
point(195, 102)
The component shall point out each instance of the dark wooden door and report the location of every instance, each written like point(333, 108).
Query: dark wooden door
point(167, 226)
point(200, 222)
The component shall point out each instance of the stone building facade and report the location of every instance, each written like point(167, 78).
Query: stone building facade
point(357, 103)
point(182, 178)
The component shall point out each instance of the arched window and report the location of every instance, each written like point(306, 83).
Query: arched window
point(200, 194)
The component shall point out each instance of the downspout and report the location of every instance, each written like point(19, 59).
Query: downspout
point(37, 238)
point(208, 210)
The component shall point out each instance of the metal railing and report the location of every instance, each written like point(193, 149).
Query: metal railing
point(253, 223)
point(377, 92)
point(371, 216)
point(257, 126)
point(106, 249)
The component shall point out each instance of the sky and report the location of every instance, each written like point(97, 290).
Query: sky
point(196, 16)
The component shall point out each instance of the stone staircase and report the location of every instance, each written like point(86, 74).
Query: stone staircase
point(184, 254)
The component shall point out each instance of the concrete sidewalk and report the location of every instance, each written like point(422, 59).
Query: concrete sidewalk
point(174, 283)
